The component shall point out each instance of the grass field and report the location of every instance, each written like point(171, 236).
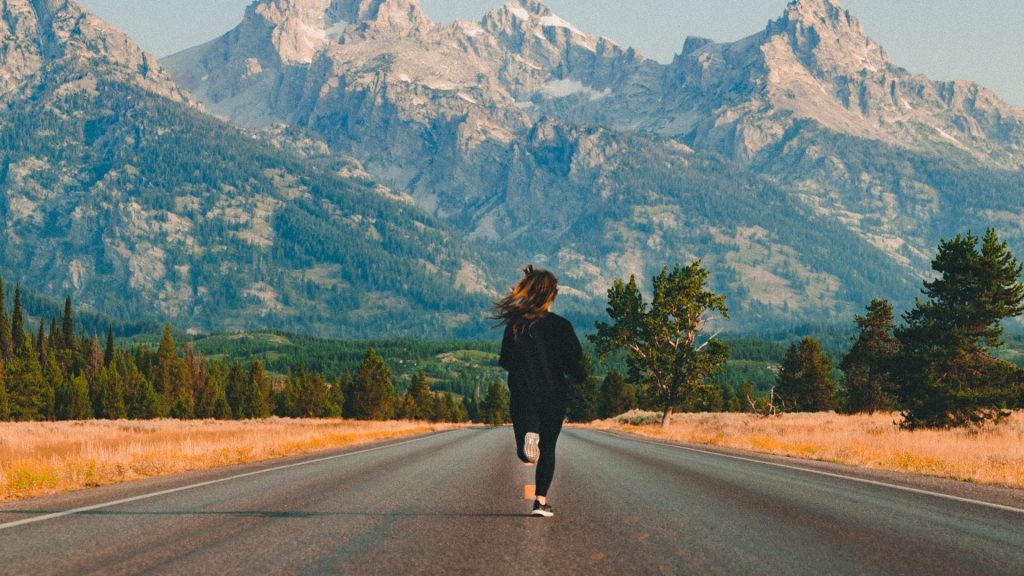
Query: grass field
point(38, 458)
point(991, 455)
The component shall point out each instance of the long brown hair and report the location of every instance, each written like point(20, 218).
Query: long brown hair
point(528, 302)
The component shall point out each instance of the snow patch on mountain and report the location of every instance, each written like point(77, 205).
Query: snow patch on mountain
point(565, 87)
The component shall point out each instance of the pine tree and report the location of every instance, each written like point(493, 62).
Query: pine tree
point(111, 404)
point(28, 393)
point(68, 325)
point(259, 383)
point(617, 395)
point(54, 342)
point(17, 322)
point(6, 345)
point(307, 394)
point(41, 342)
point(172, 379)
point(866, 366)
point(372, 394)
point(108, 350)
point(418, 399)
point(208, 391)
point(239, 392)
point(945, 374)
point(495, 407)
point(79, 405)
point(805, 381)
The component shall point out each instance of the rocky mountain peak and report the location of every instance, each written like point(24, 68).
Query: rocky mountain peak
point(827, 38)
point(298, 29)
point(36, 35)
point(394, 14)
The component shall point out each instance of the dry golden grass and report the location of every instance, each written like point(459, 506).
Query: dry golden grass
point(38, 458)
point(991, 455)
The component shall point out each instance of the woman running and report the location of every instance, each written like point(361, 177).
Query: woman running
point(541, 353)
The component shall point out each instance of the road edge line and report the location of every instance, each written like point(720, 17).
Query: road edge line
point(626, 436)
point(208, 483)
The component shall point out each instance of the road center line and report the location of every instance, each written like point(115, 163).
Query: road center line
point(201, 484)
point(819, 472)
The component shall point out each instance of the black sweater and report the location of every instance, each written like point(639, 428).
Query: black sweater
point(544, 358)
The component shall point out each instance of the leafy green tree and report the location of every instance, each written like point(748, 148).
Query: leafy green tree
point(946, 374)
point(582, 397)
point(372, 394)
point(866, 366)
point(805, 382)
point(495, 407)
point(661, 340)
point(617, 395)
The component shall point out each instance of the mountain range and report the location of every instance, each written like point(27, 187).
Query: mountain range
point(373, 172)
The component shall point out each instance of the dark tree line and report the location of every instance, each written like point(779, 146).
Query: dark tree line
point(54, 373)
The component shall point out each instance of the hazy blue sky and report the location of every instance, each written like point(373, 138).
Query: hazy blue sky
point(976, 40)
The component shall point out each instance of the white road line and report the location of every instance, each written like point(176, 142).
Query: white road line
point(819, 472)
point(200, 485)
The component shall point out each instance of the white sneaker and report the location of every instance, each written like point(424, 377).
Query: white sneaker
point(532, 447)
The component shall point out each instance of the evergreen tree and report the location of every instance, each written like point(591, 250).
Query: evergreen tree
point(28, 393)
point(945, 374)
point(866, 366)
point(372, 394)
point(418, 399)
point(6, 345)
point(583, 396)
point(455, 410)
point(239, 391)
point(307, 394)
point(661, 340)
point(805, 381)
point(108, 351)
point(209, 391)
point(68, 325)
point(111, 395)
point(41, 342)
point(17, 322)
point(495, 408)
point(259, 383)
point(617, 395)
point(79, 404)
point(54, 342)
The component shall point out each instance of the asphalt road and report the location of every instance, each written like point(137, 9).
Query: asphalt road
point(452, 503)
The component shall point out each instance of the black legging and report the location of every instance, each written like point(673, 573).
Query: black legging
point(545, 418)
